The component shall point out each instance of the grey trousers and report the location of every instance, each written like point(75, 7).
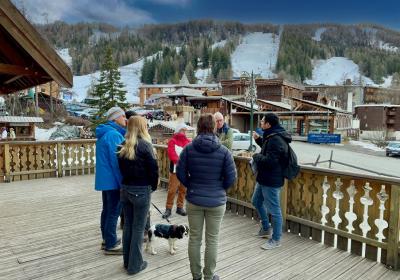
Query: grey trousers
point(212, 218)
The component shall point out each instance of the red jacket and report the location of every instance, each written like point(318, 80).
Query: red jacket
point(180, 140)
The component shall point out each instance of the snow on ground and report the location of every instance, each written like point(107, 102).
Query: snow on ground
point(335, 71)
point(387, 81)
point(42, 134)
point(202, 74)
point(219, 44)
point(64, 54)
point(367, 145)
point(258, 52)
point(130, 76)
point(318, 33)
point(387, 47)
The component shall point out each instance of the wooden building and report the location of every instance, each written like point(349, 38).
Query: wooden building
point(26, 59)
point(377, 95)
point(344, 96)
point(162, 131)
point(146, 91)
point(379, 118)
point(299, 118)
point(267, 89)
point(24, 127)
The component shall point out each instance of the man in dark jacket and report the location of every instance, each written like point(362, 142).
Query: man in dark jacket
point(270, 165)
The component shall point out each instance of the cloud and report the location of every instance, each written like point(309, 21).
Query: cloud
point(110, 11)
point(172, 2)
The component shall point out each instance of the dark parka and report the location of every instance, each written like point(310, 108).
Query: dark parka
point(206, 168)
point(143, 170)
point(273, 156)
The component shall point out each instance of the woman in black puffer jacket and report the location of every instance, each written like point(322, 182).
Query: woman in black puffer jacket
point(139, 171)
point(207, 170)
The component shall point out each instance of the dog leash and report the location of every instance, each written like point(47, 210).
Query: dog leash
point(160, 212)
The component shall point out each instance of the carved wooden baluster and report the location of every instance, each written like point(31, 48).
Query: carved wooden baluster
point(350, 215)
point(94, 157)
point(76, 162)
point(70, 160)
point(55, 152)
point(89, 161)
point(364, 226)
point(324, 208)
point(63, 162)
point(380, 223)
point(337, 195)
point(82, 148)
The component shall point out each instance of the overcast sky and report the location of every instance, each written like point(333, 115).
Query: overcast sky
point(138, 12)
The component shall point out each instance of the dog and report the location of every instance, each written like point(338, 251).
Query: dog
point(169, 232)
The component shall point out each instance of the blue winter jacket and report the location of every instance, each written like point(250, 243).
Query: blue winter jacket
point(206, 168)
point(109, 137)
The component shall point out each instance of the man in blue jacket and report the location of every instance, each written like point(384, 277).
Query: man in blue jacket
point(108, 177)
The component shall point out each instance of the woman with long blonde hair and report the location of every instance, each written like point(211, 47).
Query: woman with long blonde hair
point(139, 171)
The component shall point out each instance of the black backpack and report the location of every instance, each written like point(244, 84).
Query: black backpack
point(292, 168)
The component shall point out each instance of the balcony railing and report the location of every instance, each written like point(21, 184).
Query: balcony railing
point(27, 160)
point(353, 212)
point(349, 211)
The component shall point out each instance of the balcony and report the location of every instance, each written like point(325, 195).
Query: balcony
point(338, 224)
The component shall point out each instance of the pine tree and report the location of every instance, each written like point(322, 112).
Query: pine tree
point(190, 73)
point(109, 90)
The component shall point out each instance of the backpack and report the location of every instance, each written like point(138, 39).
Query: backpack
point(292, 168)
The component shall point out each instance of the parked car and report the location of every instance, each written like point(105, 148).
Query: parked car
point(241, 141)
point(393, 148)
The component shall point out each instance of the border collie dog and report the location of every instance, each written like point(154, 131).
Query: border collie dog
point(169, 232)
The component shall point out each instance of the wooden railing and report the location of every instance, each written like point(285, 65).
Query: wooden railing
point(27, 160)
point(353, 212)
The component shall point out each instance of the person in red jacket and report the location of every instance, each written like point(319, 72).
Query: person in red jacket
point(175, 146)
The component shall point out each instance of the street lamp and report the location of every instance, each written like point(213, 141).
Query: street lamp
point(176, 106)
point(250, 96)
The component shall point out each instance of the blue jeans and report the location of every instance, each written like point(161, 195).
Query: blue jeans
point(136, 204)
point(267, 200)
point(109, 217)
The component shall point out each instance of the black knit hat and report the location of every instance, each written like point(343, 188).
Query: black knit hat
point(129, 114)
point(271, 118)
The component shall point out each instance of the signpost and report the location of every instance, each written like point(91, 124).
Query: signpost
point(323, 138)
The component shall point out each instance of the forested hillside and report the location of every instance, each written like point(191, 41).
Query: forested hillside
point(187, 47)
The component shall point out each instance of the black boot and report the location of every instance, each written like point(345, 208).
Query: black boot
point(180, 211)
point(166, 214)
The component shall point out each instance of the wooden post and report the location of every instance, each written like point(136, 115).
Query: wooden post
point(36, 102)
point(7, 165)
point(51, 99)
point(59, 159)
point(284, 204)
point(392, 258)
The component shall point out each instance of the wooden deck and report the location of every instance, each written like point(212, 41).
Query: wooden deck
point(49, 229)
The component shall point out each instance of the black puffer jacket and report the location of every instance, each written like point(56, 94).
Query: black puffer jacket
point(273, 155)
point(207, 170)
point(143, 170)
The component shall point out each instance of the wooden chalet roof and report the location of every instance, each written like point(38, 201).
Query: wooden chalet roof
point(262, 82)
point(26, 59)
point(19, 119)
